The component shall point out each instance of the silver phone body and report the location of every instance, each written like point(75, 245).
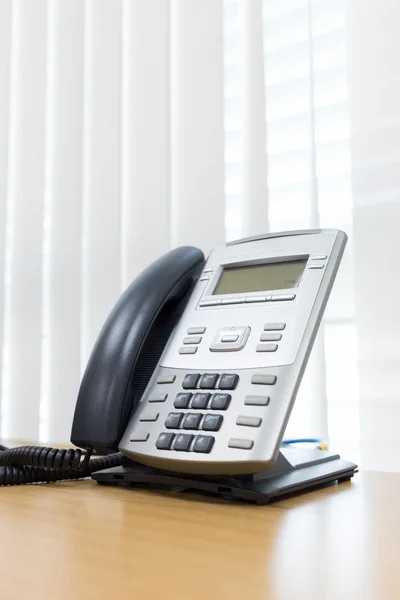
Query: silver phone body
point(294, 313)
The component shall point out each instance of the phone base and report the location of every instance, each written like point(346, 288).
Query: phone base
point(295, 471)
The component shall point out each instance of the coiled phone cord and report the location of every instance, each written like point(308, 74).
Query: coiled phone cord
point(36, 464)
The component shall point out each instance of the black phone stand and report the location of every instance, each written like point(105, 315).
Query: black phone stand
point(295, 471)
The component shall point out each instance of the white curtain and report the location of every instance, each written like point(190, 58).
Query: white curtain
point(128, 127)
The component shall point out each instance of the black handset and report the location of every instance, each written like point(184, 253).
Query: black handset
point(129, 347)
point(123, 359)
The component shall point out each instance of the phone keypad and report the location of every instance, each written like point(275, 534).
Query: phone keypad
point(184, 442)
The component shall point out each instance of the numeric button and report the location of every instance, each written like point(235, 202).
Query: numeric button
point(164, 441)
point(203, 443)
point(182, 400)
point(200, 400)
point(228, 381)
point(212, 422)
point(192, 421)
point(183, 441)
point(173, 420)
point(190, 381)
point(208, 381)
point(220, 401)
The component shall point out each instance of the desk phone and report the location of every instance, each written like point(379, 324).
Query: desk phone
point(195, 372)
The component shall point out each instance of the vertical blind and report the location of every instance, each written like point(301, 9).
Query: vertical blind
point(128, 127)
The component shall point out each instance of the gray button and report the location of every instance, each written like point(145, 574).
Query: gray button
point(210, 303)
point(270, 337)
point(263, 379)
point(239, 443)
point(233, 300)
point(204, 279)
point(274, 326)
point(188, 350)
point(166, 379)
point(256, 400)
point(242, 332)
point(208, 270)
point(256, 298)
point(194, 330)
point(192, 340)
point(248, 421)
point(140, 437)
point(158, 397)
point(150, 416)
point(317, 266)
point(282, 297)
point(229, 338)
point(266, 347)
point(319, 257)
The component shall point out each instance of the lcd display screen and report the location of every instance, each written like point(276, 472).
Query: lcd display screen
point(261, 278)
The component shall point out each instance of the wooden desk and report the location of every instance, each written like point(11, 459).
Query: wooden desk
point(83, 541)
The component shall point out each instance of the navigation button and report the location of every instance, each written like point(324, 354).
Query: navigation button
point(188, 350)
point(166, 379)
point(229, 338)
point(196, 330)
point(266, 347)
point(263, 379)
point(274, 326)
point(282, 297)
point(248, 421)
point(256, 400)
point(241, 444)
point(192, 340)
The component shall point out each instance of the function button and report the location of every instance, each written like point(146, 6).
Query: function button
point(316, 266)
point(274, 326)
point(139, 437)
point(210, 303)
point(210, 270)
point(150, 416)
point(212, 422)
point(256, 298)
point(192, 340)
point(166, 379)
point(220, 401)
point(192, 421)
point(196, 330)
point(319, 257)
point(230, 338)
point(200, 400)
point(263, 379)
point(240, 443)
point(270, 337)
point(228, 381)
point(182, 400)
point(188, 350)
point(282, 297)
point(158, 397)
point(248, 421)
point(204, 278)
point(183, 441)
point(266, 347)
point(233, 300)
point(164, 441)
point(208, 381)
point(173, 420)
point(190, 381)
point(203, 443)
point(256, 400)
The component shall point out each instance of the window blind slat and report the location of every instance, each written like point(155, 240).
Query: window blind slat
point(145, 135)
point(197, 132)
point(5, 58)
point(101, 279)
point(23, 297)
point(62, 255)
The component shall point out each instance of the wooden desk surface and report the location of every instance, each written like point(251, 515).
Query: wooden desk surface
point(81, 540)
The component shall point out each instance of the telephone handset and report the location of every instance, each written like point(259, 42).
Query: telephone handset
point(196, 369)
